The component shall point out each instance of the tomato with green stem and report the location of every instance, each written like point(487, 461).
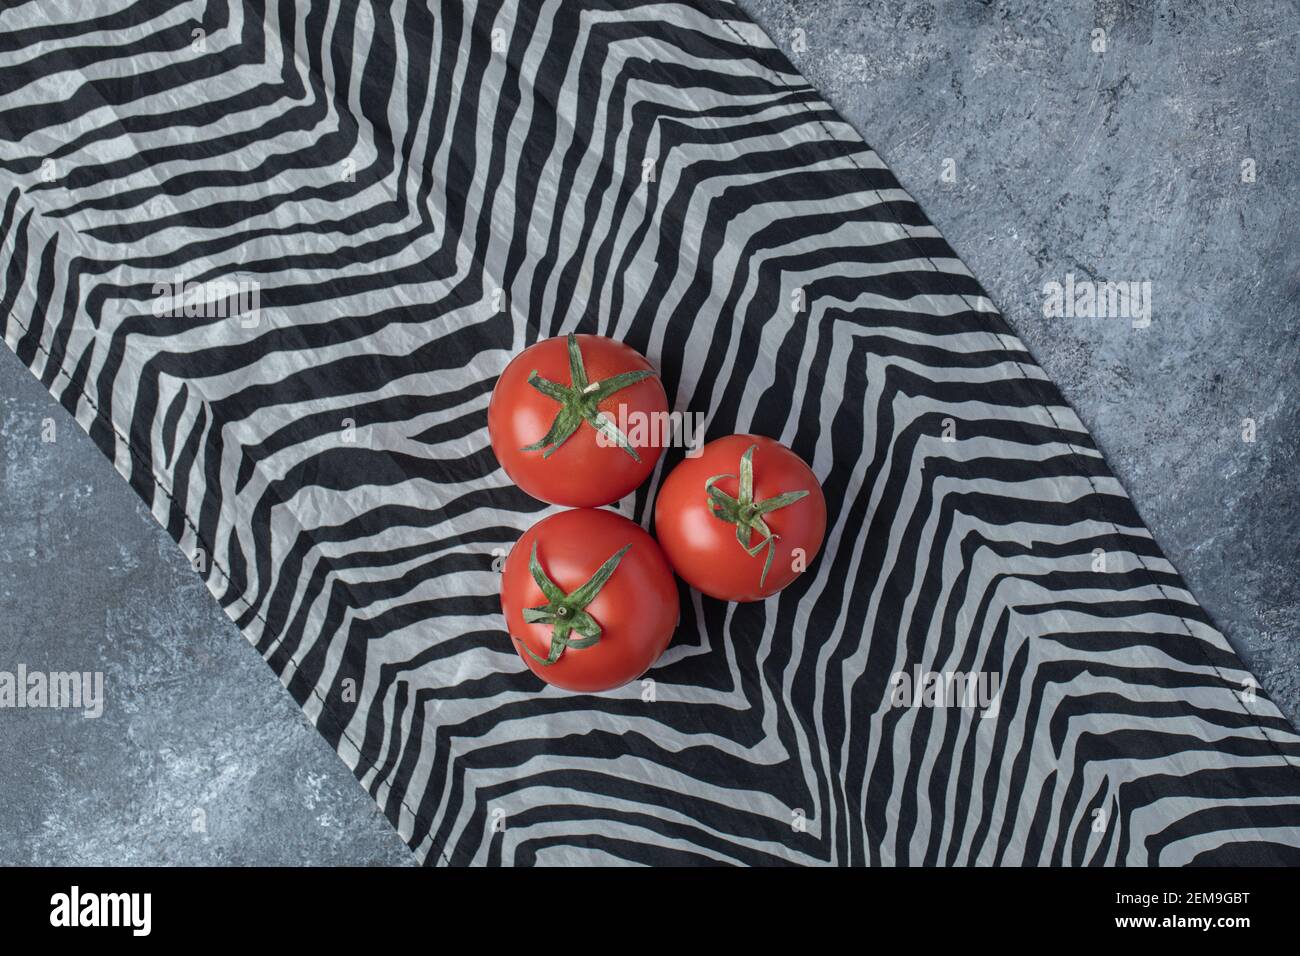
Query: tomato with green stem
point(554, 420)
point(589, 600)
point(742, 520)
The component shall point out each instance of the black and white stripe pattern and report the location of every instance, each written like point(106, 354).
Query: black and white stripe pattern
point(421, 190)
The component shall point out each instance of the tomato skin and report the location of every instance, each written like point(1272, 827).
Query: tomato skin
point(581, 473)
point(703, 549)
point(637, 608)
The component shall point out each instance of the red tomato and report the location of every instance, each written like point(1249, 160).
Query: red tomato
point(612, 603)
point(548, 410)
point(703, 503)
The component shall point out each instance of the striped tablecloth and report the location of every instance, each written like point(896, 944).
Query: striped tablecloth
point(272, 258)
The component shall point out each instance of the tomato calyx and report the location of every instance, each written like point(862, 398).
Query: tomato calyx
point(579, 403)
point(566, 613)
point(746, 513)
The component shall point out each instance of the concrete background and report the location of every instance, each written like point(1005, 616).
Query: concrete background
point(1123, 164)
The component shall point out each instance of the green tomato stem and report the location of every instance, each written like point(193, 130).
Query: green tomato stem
point(566, 613)
point(746, 513)
point(579, 402)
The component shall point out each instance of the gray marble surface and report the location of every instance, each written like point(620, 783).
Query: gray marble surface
point(1124, 165)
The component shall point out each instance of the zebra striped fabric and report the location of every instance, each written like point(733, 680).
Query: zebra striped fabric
point(272, 257)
